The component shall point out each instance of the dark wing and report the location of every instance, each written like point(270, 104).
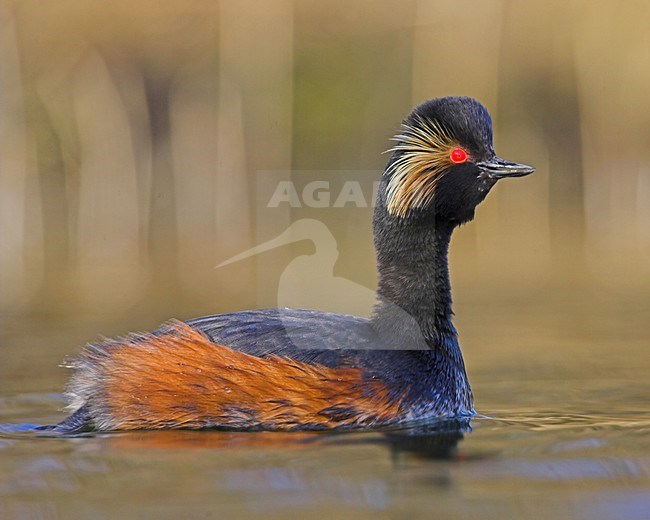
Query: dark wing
point(304, 335)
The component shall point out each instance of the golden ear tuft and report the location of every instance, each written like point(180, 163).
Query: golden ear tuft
point(423, 156)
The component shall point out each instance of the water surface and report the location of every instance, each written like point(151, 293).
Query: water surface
point(563, 432)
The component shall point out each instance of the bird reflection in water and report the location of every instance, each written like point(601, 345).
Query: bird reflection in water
point(433, 440)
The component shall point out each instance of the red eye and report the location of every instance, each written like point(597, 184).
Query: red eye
point(458, 155)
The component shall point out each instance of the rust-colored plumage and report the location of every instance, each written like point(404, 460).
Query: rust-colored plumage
point(177, 378)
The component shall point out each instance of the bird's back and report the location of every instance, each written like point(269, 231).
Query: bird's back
point(277, 369)
point(303, 335)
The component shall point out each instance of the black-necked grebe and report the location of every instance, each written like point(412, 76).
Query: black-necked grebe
point(286, 369)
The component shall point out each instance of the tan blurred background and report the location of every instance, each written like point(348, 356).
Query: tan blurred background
point(131, 134)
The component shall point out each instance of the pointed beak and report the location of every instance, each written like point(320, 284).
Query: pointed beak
point(497, 168)
point(279, 241)
point(303, 229)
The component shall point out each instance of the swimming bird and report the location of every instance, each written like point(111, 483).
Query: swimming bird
point(287, 369)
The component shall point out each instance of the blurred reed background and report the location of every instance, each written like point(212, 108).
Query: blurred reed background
point(131, 134)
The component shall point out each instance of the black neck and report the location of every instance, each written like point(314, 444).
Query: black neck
point(413, 277)
point(413, 312)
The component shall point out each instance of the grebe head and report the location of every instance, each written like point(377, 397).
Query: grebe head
point(443, 163)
